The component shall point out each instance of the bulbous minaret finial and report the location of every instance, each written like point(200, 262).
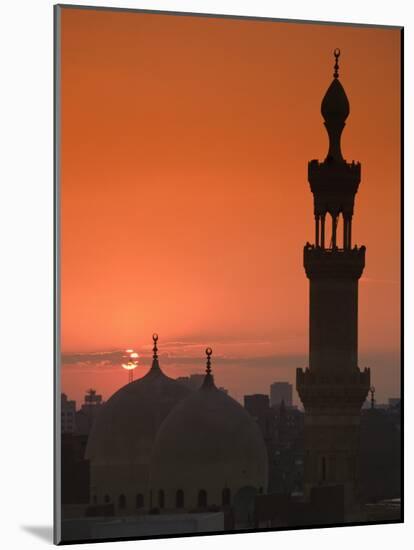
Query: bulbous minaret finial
point(208, 379)
point(335, 110)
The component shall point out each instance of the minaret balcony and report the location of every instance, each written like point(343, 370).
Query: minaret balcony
point(331, 169)
point(319, 390)
point(334, 186)
point(333, 262)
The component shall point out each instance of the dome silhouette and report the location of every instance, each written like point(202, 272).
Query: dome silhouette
point(121, 440)
point(206, 451)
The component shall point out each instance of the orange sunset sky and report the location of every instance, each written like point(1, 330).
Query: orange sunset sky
point(185, 204)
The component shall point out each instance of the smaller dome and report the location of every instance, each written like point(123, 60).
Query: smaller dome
point(335, 104)
point(208, 444)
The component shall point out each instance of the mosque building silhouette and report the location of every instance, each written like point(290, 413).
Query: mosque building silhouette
point(157, 446)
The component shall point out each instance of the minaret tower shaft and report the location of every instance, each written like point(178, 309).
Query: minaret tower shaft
point(333, 388)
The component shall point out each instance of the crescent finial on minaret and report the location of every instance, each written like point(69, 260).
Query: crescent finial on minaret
point(337, 53)
point(209, 353)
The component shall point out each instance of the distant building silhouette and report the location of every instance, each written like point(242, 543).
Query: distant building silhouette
point(333, 388)
point(282, 429)
point(74, 475)
point(195, 381)
point(281, 391)
point(89, 412)
point(192, 382)
point(68, 414)
point(257, 404)
point(379, 462)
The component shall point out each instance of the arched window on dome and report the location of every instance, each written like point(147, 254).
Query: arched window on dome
point(107, 499)
point(226, 496)
point(122, 502)
point(179, 499)
point(161, 498)
point(139, 500)
point(202, 498)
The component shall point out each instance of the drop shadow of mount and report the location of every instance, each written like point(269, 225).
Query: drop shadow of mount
point(43, 532)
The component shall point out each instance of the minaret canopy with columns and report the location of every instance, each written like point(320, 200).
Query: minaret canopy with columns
point(334, 182)
point(333, 388)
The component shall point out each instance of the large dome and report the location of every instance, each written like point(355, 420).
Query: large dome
point(207, 451)
point(120, 443)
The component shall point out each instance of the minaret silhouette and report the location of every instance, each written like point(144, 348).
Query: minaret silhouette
point(333, 388)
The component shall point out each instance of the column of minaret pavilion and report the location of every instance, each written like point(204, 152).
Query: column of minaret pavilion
point(333, 388)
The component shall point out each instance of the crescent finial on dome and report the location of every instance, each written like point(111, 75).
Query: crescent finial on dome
point(209, 353)
point(155, 365)
point(155, 348)
point(208, 379)
point(337, 53)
